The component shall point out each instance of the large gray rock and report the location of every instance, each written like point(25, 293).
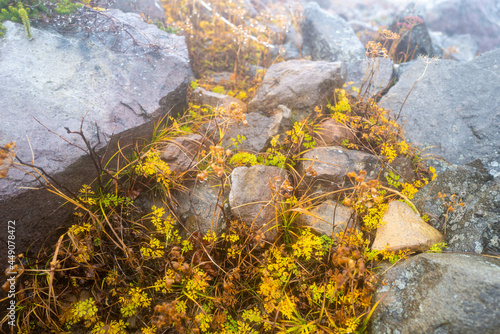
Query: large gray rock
point(439, 293)
point(152, 9)
point(329, 37)
point(200, 207)
point(371, 76)
point(259, 130)
point(457, 47)
point(58, 80)
point(479, 18)
point(453, 110)
point(300, 85)
point(473, 226)
point(329, 218)
point(323, 170)
point(252, 199)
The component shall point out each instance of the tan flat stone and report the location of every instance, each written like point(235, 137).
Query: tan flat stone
point(403, 229)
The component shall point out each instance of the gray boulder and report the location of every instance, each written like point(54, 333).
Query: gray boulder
point(453, 109)
point(479, 18)
point(329, 37)
point(329, 218)
point(371, 76)
point(201, 207)
point(59, 80)
point(473, 226)
point(259, 130)
point(300, 85)
point(439, 293)
point(252, 199)
point(323, 170)
point(457, 47)
point(152, 9)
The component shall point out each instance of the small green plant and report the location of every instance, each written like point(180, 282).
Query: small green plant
point(437, 248)
point(66, 7)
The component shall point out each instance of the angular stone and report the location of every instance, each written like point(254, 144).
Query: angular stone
point(200, 207)
point(300, 85)
point(259, 130)
point(439, 293)
point(331, 165)
point(371, 76)
point(444, 114)
point(181, 153)
point(479, 18)
point(204, 97)
point(404, 229)
point(152, 9)
point(322, 218)
point(474, 226)
point(457, 47)
point(59, 79)
point(252, 199)
point(329, 37)
point(331, 132)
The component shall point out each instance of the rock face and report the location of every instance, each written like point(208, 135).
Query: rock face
point(152, 9)
point(404, 229)
point(259, 130)
point(453, 109)
point(300, 85)
point(331, 165)
point(59, 80)
point(479, 18)
point(329, 37)
point(376, 74)
point(198, 210)
point(473, 227)
point(203, 96)
point(457, 47)
point(439, 293)
point(181, 153)
point(328, 218)
point(251, 196)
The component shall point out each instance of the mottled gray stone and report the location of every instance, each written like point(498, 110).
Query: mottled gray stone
point(473, 227)
point(457, 47)
point(331, 165)
point(371, 76)
point(453, 109)
point(59, 79)
point(200, 207)
point(328, 218)
point(259, 130)
point(252, 200)
point(300, 85)
point(329, 37)
point(479, 18)
point(439, 293)
point(180, 153)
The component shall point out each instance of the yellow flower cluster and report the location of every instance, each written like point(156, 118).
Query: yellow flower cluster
point(308, 245)
point(153, 166)
point(83, 310)
point(134, 300)
point(114, 327)
point(154, 249)
point(196, 285)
